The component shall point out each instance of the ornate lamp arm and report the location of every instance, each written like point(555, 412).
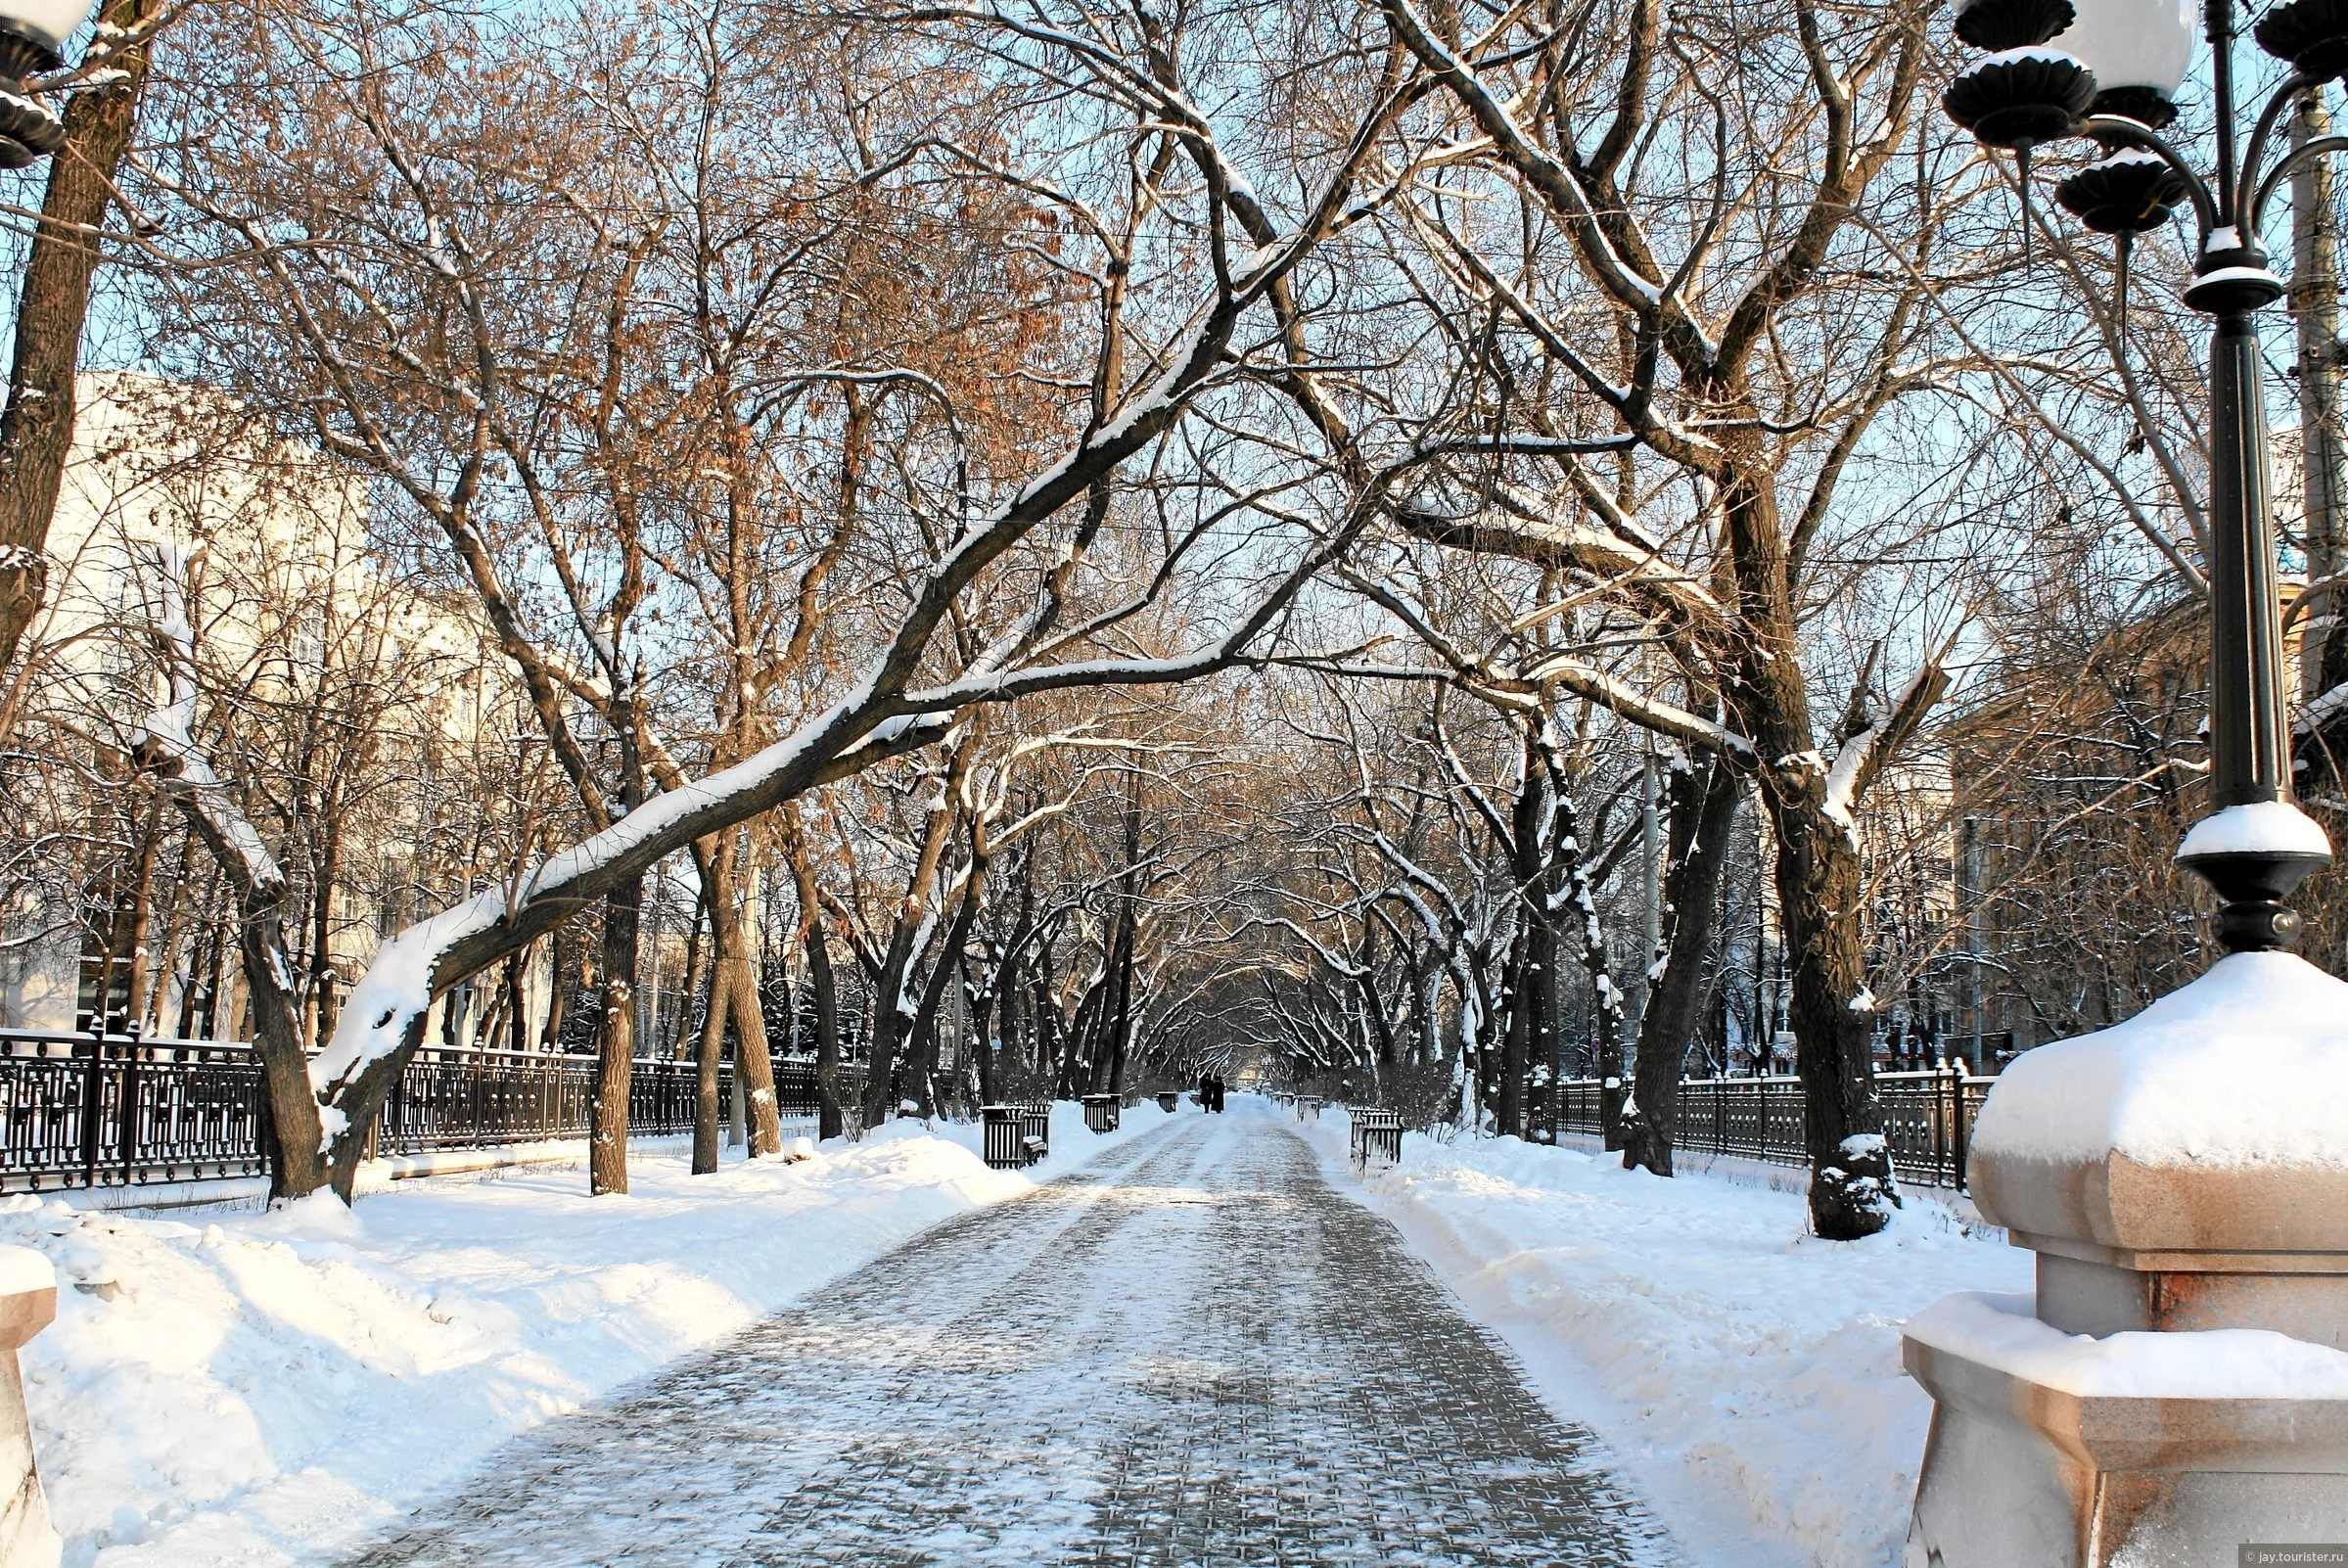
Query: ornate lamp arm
point(2267, 119)
point(2282, 169)
point(2135, 133)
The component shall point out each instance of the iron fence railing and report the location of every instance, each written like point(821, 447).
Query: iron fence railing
point(1927, 1119)
point(76, 1110)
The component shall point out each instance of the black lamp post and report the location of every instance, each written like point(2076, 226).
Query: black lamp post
point(32, 40)
point(2109, 69)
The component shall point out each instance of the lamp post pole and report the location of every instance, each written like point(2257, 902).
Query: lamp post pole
point(2255, 862)
point(2250, 760)
point(2108, 70)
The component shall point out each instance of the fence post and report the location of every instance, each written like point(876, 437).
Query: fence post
point(131, 1105)
point(93, 1101)
point(1956, 1126)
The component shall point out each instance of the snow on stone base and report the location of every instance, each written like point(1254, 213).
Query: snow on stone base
point(24, 1269)
point(266, 1389)
point(1998, 1331)
point(2248, 1065)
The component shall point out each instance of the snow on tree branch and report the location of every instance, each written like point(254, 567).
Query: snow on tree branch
point(165, 746)
point(1872, 742)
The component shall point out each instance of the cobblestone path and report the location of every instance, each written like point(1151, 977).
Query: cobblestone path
point(1194, 1352)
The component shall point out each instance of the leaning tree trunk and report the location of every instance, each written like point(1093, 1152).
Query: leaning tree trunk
point(1703, 810)
point(616, 1041)
point(53, 302)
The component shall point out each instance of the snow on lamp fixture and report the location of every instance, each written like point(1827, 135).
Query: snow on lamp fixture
point(32, 40)
point(2023, 92)
point(2018, 98)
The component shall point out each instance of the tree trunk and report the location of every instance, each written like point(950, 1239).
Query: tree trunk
point(708, 1051)
point(949, 966)
point(1851, 1189)
point(1818, 876)
point(320, 1021)
point(1703, 803)
point(696, 967)
point(558, 997)
point(1533, 953)
point(53, 302)
point(825, 992)
point(517, 1001)
point(754, 1061)
point(729, 959)
point(616, 1041)
point(1508, 1104)
point(140, 960)
point(980, 996)
point(298, 1162)
point(296, 1136)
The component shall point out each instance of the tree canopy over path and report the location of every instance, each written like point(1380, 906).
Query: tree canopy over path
point(1031, 550)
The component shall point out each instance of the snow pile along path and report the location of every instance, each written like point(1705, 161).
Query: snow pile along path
point(1747, 1373)
point(268, 1388)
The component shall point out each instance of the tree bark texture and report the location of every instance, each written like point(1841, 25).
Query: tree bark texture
point(53, 304)
point(709, 1050)
point(615, 1040)
point(1702, 807)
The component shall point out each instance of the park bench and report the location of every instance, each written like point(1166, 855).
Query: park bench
point(1016, 1136)
point(1376, 1138)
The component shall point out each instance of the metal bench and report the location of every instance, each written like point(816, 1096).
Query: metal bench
point(1003, 1126)
point(1376, 1138)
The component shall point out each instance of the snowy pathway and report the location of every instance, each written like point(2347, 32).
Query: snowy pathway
point(1193, 1351)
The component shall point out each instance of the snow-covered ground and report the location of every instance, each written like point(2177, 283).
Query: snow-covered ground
point(255, 1387)
point(1745, 1373)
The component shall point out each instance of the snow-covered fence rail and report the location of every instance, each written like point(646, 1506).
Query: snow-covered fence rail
point(82, 1111)
point(1927, 1119)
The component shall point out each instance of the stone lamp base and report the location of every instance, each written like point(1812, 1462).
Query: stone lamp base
point(27, 1304)
point(2176, 1387)
point(2022, 1472)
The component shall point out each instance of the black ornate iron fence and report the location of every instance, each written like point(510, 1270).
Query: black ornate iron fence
point(1927, 1119)
point(82, 1111)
